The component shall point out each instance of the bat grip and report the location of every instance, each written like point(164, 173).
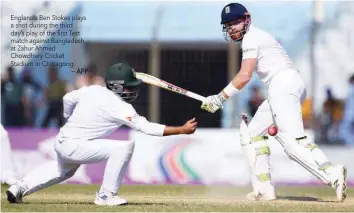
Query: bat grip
point(195, 96)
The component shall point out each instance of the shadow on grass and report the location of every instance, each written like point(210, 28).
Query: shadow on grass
point(302, 198)
point(147, 204)
point(89, 203)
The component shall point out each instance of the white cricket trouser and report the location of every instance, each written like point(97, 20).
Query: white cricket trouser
point(8, 170)
point(286, 92)
point(72, 153)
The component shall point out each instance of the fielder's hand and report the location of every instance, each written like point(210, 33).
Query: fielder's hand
point(213, 103)
point(189, 127)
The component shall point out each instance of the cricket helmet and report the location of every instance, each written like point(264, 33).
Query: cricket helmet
point(235, 20)
point(120, 78)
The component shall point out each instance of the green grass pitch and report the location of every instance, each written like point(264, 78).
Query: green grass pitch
point(177, 198)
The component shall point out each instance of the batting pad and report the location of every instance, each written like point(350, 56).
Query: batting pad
point(257, 151)
point(301, 155)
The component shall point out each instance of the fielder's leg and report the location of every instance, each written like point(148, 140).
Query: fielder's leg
point(256, 148)
point(285, 101)
point(8, 172)
point(42, 177)
point(117, 154)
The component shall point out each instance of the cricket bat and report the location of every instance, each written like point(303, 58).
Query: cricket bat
point(149, 79)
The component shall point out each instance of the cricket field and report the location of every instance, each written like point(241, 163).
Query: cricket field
point(180, 198)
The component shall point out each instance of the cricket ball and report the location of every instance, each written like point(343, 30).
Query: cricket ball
point(272, 130)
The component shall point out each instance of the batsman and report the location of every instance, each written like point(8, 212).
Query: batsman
point(286, 91)
point(91, 113)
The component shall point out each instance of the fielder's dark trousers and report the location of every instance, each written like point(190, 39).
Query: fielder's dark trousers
point(55, 111)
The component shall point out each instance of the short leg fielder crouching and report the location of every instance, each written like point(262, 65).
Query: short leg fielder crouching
point(286, 91)
point(91, 113)
point(70, 155)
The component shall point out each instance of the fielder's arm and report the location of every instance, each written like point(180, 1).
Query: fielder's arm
point(132, 119)
point(188, 128)
point(141, 124)
point(70, 100)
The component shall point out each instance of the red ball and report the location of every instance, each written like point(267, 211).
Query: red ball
point(272, 130)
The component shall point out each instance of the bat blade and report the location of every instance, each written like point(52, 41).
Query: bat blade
point(149, 79)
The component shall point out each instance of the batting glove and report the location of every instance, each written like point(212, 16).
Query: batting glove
point(213, 103)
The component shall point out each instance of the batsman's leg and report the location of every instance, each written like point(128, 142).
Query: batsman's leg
point(256, 148)
point(117, 154)
point(285, 101)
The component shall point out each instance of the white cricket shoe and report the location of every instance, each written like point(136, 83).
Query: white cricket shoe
point(11, 181)
point(339, 184)
point(109, 199)
point(14, 193)
point(260, 197)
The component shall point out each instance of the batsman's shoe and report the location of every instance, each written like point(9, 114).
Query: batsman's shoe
point(339, 184)
point(109, 199)
point(14, 194)
point(260, 197)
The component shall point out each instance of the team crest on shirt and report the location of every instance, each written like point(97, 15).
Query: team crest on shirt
point(248, 50)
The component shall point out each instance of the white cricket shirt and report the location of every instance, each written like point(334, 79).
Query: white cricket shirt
point(3, 132)
point(95, 111)
point(271, 56)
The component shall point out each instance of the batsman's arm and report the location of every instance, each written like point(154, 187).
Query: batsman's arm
point(241, 78)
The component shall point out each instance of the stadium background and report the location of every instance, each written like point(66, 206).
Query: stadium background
point(170, 41)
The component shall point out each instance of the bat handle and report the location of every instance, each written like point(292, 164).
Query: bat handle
point(202, 99)
point(195, 96)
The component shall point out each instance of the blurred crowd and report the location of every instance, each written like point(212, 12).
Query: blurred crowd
point(22, 96)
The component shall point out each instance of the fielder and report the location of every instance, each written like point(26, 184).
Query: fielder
point(8, 170)
point(286, 91)
point(91, 113)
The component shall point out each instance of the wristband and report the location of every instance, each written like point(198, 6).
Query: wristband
point(230, 90)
